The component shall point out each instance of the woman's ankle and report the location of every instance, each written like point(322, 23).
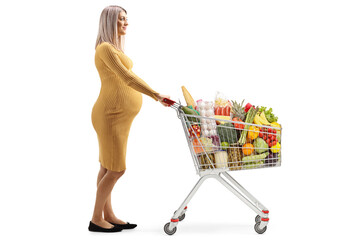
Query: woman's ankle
point(110, 216)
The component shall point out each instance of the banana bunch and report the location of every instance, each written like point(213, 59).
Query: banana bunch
point(261, 119)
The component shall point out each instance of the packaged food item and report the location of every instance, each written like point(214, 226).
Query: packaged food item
point(198, 148)
point(216, 141)
point(222, 107)
point(206, 161)
point(206, 109)
point(221, 100)
point(198, 103)
point(221, 159)
point(207, 143)
point(234, 156)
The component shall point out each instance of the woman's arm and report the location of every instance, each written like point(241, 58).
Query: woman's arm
point(108, 54)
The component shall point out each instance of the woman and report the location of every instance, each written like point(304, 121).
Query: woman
point(118, 103)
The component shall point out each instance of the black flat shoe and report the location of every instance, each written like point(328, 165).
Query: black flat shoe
point(95, 228)
point(124, 226)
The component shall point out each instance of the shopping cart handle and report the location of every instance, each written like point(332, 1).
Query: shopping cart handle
point(168, 101)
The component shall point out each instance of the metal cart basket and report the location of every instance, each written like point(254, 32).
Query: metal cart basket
point(226, 151)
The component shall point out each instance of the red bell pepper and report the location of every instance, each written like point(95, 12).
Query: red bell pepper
point(248, 106)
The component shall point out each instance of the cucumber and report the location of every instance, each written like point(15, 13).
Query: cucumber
point(255, 158)
point(251, 165)
point(190, 111)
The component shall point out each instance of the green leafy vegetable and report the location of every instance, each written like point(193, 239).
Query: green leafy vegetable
point(269, 114)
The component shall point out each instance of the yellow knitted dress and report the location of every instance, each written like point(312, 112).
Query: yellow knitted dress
point(118, 103)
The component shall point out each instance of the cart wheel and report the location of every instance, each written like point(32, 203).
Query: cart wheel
point(181, 217)
point(258, 230)
point(167, 231)
point(257, 219)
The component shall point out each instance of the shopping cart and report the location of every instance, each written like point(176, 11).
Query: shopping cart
point(213, 158)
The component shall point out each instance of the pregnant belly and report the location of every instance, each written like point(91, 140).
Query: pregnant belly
point(125, 105)
point(134, 102)
point(104, 114)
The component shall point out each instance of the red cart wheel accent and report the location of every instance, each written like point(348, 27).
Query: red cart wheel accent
point(174, 220)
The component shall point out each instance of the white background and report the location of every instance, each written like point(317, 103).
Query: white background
point(299, 57)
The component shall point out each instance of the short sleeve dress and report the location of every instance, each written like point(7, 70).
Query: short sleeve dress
point(118, 103)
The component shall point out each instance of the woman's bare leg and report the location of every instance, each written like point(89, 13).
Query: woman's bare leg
point(105, 186)
point(109, 214)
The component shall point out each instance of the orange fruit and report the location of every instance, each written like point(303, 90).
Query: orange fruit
point(247, 149)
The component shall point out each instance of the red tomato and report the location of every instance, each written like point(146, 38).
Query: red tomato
point(273, 143)
point(265, 137)
point(242, 126)
point(238, 125)
point(270, 144)
point(261, 134)
point(268, 141)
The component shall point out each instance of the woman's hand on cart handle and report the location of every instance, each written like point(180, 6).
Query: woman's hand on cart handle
point(161, 98)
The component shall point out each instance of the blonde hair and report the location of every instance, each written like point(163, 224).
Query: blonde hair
point(108, 31)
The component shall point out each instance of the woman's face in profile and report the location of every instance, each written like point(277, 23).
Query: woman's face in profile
point(122, 23)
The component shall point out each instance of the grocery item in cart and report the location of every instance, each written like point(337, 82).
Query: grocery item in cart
point(272, 159)
point(268, 115)
point(206, 109)
point(221, 159)
point(227, 133)
point(188, 98)
point(247, 149)
point(222, 108)
point(260, 145)
point(238, 111)
point(206, 160)
point(238, 114)
point(189, 111)
point(234, 156)
point(249, 119)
